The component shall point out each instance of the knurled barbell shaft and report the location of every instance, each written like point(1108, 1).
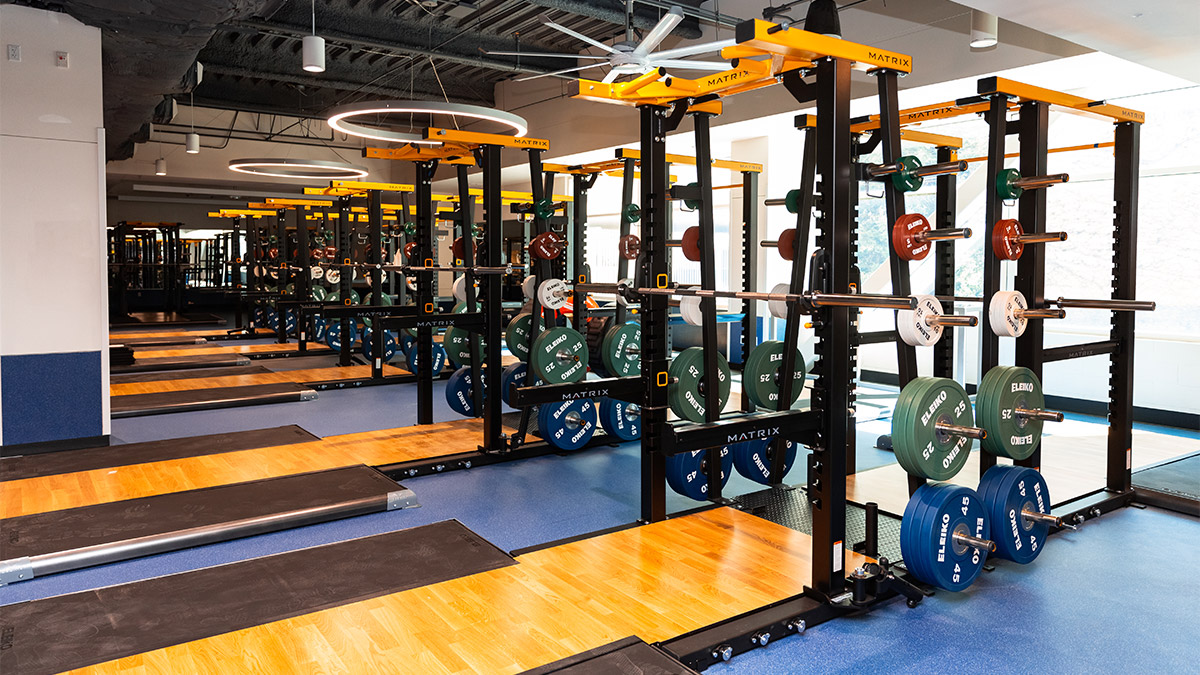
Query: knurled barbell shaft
point(1035, 182)
point(939, 169)
point(446, 268)
point(974, 542)
point(1040, 313)
point(951, 320)
point(817, 299)
point(1044, 415)
point(1113, 305)
point(1040, 237)
point(956, 430)
point(940, 235)
point(877, 170)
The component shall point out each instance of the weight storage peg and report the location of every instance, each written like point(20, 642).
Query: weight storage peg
point(912, 234)
point(1009, 239)
point(1010, 184)
point(630, 246)
point(933, 428)
point(786, 244)
point(907, 173)
point(1009, 314)
point(923, 326)
point(791, 201)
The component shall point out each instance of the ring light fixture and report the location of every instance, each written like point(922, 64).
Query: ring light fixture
point(316, 169)
point(342, 118)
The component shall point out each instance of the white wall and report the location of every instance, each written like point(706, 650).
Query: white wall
point(52, 271)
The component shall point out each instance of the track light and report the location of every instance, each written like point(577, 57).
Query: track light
point(192, 143)
point(312, 47)
point(983, 30)
point(822, 18)
point(160, 167)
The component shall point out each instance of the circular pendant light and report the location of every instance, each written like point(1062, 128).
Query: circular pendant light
point(315, 169)
point(348, 119)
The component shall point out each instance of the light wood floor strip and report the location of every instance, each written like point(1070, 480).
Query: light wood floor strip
point(306, 375)
point(118, 336)
point(373, 448)
point(230, 348)
point(1072, 466)
point(657, 582)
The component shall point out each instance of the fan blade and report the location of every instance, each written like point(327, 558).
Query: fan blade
point(611, 76)
point(560, 72)
point(690, 65)
point(703, 48)
point(579, 36)
point(660, 31)
point(542, 55)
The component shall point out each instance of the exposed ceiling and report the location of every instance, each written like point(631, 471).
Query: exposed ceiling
point(250, 49)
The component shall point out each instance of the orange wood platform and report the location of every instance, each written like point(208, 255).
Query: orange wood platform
point(1073, 465)
point(656, 581)
point(298, 376)
point(373, 448)
point(231, 348)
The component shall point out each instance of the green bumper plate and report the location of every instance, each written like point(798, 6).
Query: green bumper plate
point(761, 376)
point(920, 447)
point(559, 355)
point(1004, 390)
point(621, 350)
point(686, 395)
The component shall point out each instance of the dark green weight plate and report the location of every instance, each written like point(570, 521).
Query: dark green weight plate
point(319, 293)
point(761, 376)
point(686, 394)
point(461, 308)
point(516, 336)
point(922, 449)
point(621, 350)
point(692, 204)
point(904, 179)
point(1010, 388)
point(792, 201)
point(385, 300)
point(559, 355)
point(457, 343)
point(1004, 184)
point(632, 213)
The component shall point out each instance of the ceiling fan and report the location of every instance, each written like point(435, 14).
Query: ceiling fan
point(630, 58)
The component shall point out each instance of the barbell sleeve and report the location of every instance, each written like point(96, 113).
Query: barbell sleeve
point(1113, 305)
point(861, 300)
point(1044, 415)
point(957, 430)
point(1035, 182)
point(974, 542)
point(1040, 237)
point(939, 169)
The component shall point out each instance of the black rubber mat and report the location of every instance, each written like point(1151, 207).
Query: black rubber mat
point(627, 656)
point(183, 362)
point(70, 529)
point(163, 402)
point(70, 461)
point(135, 378)
point(1178, 477)
point(82, 629)
point(167, 319)
point(789, 507)
point(147, 342)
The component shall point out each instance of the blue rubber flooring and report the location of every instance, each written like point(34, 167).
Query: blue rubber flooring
point(1104, 599)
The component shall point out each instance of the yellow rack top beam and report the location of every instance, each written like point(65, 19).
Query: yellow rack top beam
point(233, 213)
point(936, 140)
point(477, 138)
point(732, 165)
point(672, 89)
point(763, 37)
point(360, 187)
point(1027, 92)
point(1069, 148)
point(450, 153)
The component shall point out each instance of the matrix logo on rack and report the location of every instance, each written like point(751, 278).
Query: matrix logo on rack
point(530, 143)
point(936, 112)
point(726, 78)
point(891, 59)
point(437, 323)
point(591, 393)
point(752, 435)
